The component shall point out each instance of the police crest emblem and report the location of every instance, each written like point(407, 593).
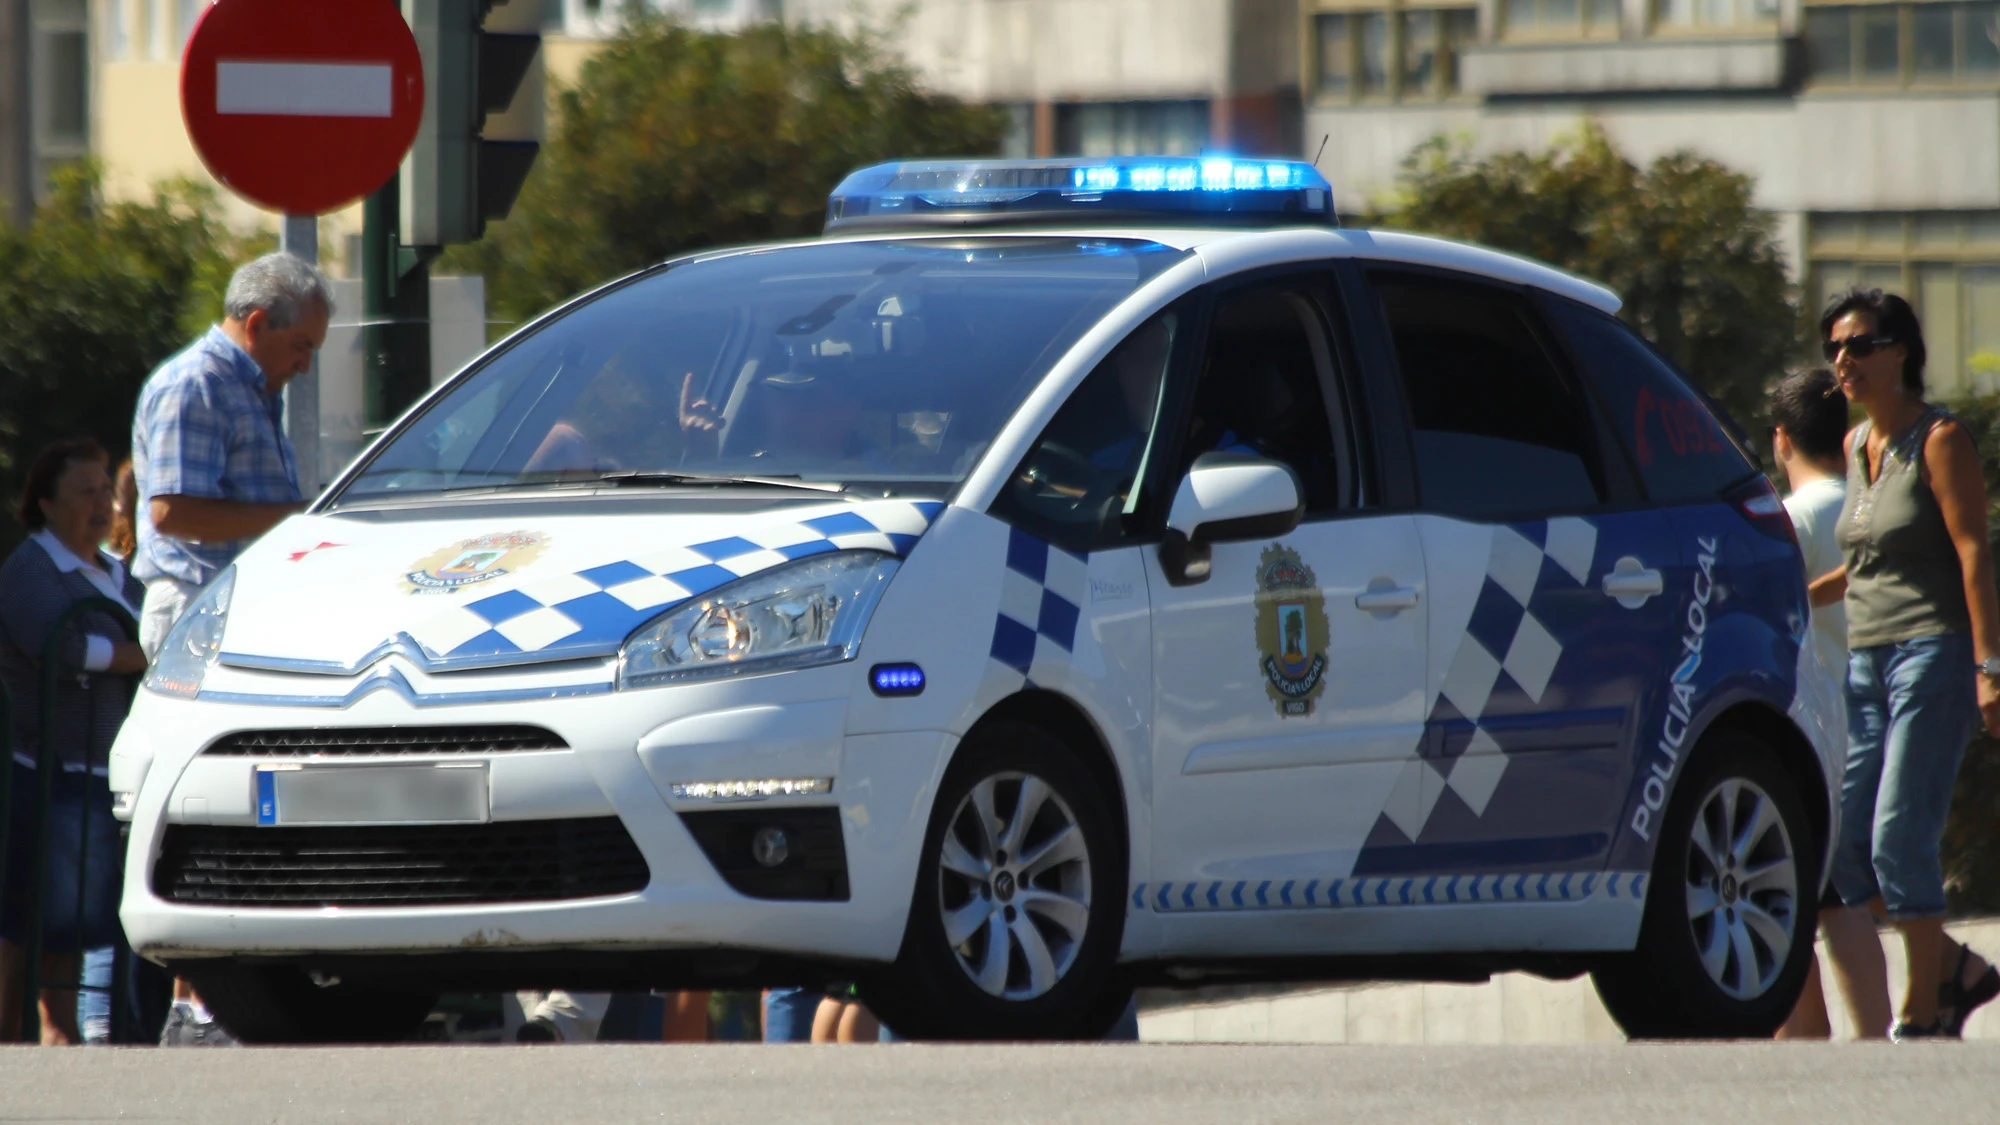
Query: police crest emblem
point(1292, 630)
point(471, 561)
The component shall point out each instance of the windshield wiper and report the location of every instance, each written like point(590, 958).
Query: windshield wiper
point(639, 476)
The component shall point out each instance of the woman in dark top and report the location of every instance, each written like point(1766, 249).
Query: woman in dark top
point(1923, 629)
point(66, 506)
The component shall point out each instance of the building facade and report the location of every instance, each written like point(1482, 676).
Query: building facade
point(1872, 130)
point(45, 96)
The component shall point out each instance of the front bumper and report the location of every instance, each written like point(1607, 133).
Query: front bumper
point(624, 748)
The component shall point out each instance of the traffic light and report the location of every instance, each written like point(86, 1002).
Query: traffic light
point(456, 178)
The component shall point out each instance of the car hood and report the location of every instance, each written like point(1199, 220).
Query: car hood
point(334, 594)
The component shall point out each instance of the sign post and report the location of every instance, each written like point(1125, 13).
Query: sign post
point(298, 235)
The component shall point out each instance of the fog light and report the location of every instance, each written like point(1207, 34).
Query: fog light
point(770, 847)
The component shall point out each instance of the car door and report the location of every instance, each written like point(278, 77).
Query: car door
point(1548, 635)
point(1289, 683)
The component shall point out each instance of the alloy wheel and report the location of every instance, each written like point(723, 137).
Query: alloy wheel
point(1014, 886)
point(1742, 888)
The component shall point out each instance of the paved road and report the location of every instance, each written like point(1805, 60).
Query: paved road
point(1761, 1084)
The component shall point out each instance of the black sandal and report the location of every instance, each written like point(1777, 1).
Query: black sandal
point(1958, 1000)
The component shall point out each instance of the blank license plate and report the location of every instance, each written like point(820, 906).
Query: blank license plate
point(401, 794)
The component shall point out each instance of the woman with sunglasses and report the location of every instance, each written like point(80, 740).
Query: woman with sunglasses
point(1923, 628)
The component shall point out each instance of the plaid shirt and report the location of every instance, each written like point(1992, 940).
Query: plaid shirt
point(206, 426)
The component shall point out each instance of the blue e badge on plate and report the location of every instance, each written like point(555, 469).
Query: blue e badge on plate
point(267, 797)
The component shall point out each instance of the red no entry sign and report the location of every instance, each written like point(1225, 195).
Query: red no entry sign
point(302, 106)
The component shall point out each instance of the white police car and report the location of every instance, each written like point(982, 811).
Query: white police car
point(1059, 576)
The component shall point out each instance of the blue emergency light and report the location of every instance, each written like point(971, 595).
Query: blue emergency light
point(1162, 191)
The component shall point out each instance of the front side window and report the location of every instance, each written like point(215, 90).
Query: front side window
point(1499, 431)
point(883, 366)
point(1078, 485)
point(1259, 390)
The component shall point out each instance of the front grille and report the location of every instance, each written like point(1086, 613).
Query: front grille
point(339, 741)
point(417, 865)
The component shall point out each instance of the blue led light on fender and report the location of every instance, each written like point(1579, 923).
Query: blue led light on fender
point(896, 679)
point(1129, 190)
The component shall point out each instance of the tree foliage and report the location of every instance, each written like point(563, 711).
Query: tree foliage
point(93, 295)
point(676, 139)
point(1698, 267)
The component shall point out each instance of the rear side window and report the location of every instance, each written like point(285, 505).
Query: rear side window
point(1679, 446)
point(1499, 431)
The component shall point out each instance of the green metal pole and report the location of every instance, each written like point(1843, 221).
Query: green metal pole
point(396, 311)
point(45, 778)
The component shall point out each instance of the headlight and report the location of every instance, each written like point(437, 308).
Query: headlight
point(191, 646)
point(809, 612)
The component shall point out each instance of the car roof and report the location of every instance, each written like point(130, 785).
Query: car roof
point(1231, 249)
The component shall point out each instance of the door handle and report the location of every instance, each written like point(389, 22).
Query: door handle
point(1631, 582)
point(1392, 599)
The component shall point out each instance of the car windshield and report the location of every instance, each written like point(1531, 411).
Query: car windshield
point(886, 364)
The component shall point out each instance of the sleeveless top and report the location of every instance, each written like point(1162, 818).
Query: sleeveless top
point(1903, 576)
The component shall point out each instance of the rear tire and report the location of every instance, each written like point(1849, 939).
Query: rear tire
point(280, 1004)
point(1731, 912)
point(1033, 942)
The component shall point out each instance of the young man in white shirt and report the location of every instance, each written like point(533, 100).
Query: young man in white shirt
point(1808, 434)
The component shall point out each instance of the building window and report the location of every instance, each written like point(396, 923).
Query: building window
point(1929, 44)
point(1946, 262)
point(1559, 19)
point(1409, 55)
point(1177, 128)
point(191, 11)
point(60, 71)
point(1709, 15)
point(118, 30)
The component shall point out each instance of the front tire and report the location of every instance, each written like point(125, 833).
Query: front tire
point(1018, 913)
point(280, 1004)
point(1730, 915)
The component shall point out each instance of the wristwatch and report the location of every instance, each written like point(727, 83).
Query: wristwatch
point(1989, 666)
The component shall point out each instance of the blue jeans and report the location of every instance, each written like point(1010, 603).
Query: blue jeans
point(1911, 708)
point(788, 1014)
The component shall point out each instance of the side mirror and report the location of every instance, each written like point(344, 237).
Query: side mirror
point(1226, 496)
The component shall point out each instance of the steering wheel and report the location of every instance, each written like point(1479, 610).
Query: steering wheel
point(1067, 483)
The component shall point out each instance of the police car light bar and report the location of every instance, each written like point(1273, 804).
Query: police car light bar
point(1170, 191)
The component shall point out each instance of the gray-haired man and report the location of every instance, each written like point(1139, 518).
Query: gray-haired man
point(215, 470)
point(209, 452)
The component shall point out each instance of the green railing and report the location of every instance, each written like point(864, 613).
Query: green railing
point(46, 766)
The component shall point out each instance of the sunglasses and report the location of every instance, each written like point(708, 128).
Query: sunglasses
point(1860, 347)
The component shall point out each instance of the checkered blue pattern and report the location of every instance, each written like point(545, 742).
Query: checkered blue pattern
point(592, 610)
point(1403, 890)
point(1042, 593)
point(1504, 648)
point(206, 426)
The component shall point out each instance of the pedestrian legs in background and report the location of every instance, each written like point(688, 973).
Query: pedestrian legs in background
point(190, 1024)
point(93, 1003)
point(1859, 971)
point(788, 1014)
point(58, 1006)
point(842, 1018)
point(686, 1017)
point(558, 1016)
